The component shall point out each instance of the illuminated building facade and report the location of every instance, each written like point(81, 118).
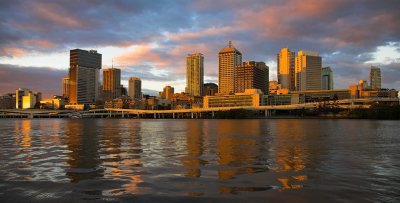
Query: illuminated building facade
point(252, 75)
point(285, 69)
point(228, 58)
point(135, 88)
point(308, 71)
point(111, 83)
point(84, 73)
point(195, 74)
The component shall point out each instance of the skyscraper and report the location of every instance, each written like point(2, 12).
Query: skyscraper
point(228, 58)
point(65, 87)
point(375, 77)
point(135, 88)
point(252, 75)
point(195, 74)
point(286, 72)
point(111, 83)
point(327, 78)
point(84, 73)
point(308, 71)
point(210, 89)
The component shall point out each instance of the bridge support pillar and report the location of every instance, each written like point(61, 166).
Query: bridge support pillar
point(173, 115)
point(192, 115)
point(212, 114)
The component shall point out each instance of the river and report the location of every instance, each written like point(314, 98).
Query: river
point(255, 160)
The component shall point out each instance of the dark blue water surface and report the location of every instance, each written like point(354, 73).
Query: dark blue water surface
point(267, 160)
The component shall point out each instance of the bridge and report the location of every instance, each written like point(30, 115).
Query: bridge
point(267, 111)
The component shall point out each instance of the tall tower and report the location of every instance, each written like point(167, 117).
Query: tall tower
point(327, 78)
point(135, 88)
point(111, 83)
point(65, 87)
point(308, 71)
point(228, 58)
point(375, 77)
point(252, 75)
point(286, 72)
point(84, 73)
point(195, 74)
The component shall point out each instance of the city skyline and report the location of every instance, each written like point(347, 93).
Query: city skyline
point(36, 56)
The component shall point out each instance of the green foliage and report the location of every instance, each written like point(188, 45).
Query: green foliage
point(234, 114)
point(377, 112)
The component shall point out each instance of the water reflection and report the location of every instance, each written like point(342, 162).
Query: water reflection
point(24, 139)
point(194, 144)
point(81, 140)
point(165, 160)
point(237, 147)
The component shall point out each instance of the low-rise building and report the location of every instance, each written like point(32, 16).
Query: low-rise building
point(251, 97)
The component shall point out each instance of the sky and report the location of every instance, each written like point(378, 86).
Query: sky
point(151, 39)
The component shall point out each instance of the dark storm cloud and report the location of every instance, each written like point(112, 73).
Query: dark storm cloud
point(45, 80)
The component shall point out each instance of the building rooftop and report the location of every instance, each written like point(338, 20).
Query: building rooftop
point(229, 48)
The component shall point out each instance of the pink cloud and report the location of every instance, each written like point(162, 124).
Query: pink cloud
point(140, 54)
point(12, 52)
point(39, 43)
point(53, 13)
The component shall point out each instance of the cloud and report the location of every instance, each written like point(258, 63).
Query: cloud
point(156, 37)
point(45, 80)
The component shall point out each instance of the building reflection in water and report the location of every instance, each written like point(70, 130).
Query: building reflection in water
point(238, 147)
point(194, 144)
point(23, 139)
point(82, 143)
point(120, 154)
point(293, 153)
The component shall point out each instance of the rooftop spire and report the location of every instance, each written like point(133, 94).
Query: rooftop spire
point(230, 44)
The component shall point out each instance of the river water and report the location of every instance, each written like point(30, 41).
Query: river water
point(260, 160)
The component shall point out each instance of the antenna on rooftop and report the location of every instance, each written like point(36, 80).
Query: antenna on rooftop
point(230, 44)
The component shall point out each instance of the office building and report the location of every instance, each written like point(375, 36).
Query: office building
point(7, 101)
point(375, 77)
point(308, 71)
point(228, 58)
point(167, 93)
point(327, 78)
point(84, 73)
point(252, 75)
point(135, 88)
point(250, 97)
point(285, 69)
point(19, 93)
point(65, 87)
point(210, 89)
point(111, 83)
point(195, 74)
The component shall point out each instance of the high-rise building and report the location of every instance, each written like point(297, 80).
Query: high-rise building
point(111, 83)
point(327, 78)
point(210, 89)
point(308, 71)
point(84, 73)
point(19, 93)
point(135, 88)
point(195, 74)
point(252, 75)
point(375, 77)
point(286, 71)
point(228, 58)
point(167, 93)
point(65, 87)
